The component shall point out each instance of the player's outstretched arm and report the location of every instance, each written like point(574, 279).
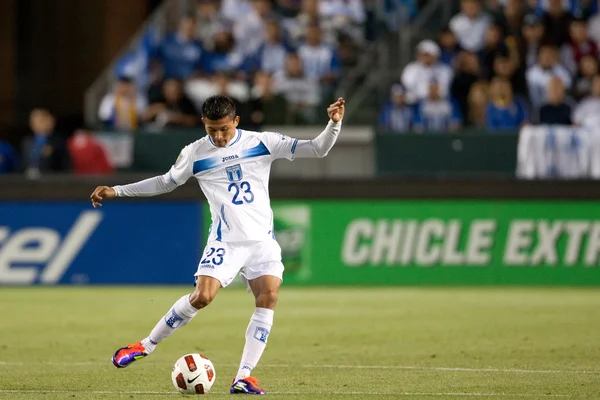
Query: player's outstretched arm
point(146, 188)
point(319, 147)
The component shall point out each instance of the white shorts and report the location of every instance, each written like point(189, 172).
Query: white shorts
point(223, 260)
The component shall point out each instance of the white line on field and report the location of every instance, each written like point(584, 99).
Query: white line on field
point(405, 394)
point(334, 366)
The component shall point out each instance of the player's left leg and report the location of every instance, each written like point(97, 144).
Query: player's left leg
point(266, 292)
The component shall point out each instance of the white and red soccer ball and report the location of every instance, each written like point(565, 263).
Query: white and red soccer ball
point(193, 374)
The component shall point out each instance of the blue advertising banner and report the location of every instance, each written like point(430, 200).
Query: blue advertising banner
point(120, 243)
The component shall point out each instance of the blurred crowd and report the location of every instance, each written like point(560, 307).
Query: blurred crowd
point(501, 64)
point(278, 59)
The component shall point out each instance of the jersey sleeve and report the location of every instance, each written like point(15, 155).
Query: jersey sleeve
point(280, 146)
point(182, 170)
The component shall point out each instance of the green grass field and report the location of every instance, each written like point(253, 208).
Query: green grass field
point(327, 343)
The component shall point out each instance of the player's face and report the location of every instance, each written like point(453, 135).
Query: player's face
point(222, 131)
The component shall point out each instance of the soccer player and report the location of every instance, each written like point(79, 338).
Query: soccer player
point(232, 168)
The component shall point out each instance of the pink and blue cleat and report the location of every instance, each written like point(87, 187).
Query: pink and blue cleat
point(127, 355)
point(247, 385)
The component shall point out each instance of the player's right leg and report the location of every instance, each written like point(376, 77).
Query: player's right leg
point(179, 315)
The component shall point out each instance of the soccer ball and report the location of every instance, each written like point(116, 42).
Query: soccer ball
point(193, 373)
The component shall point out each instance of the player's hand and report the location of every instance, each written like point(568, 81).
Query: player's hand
point(101, 193)
point(336, 110)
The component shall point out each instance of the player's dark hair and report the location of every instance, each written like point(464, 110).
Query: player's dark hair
point(218, 107)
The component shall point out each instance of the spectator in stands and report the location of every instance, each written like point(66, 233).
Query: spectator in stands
point(556, 22)
point(297, 27)
point(272, 54)
point(265, 103)
point(529, 44)
point(88, 156)
point(539, 75)
point(478, 99)
point(581, 7)
point(346, 17)
point(470, 25)
point(511, 17)
point(578, 46)
point(173, 109)
point(396, 115)
point(587, 113)
point(8, 158)
point(347, 51)
point(179, 53)
point(300, 90)
point(506, 67)
point(449, 47)
point(249, 31)
point(320, 60)
point(345, 10)
point(557, 110)
point(123, 108)
point(418, 74)
point(46, 151)
point(225, 57)
point(288, 8)
point(235, 9)
point(208, 22)
point(493, 46)
point(588, 68)
point(436, 113)
point(467, 73)
point(594, 26)
point(503, 110)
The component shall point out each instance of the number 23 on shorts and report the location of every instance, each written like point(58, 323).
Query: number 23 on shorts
point(214, 255)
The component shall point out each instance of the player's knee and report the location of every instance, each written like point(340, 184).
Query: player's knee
point(267, 299)
point(201, 298)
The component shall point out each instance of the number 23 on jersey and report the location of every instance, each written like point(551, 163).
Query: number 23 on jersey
point(242, 193)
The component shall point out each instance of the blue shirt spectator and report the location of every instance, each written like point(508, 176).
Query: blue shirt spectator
point(179, 53)
point(224, 58)
point(8, 158)
point(449, 46)
point(135, 64)
point(272, 54)
point(396, 115)
point(574, 7)
point(436, 113)
point(503, 111)
point(320, 60)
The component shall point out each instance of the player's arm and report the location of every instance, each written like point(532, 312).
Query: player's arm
point(320, 146)
point(179, 173)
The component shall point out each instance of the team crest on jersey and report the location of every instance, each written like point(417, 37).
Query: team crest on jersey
point(234, 173)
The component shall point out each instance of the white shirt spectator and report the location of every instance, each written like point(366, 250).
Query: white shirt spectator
point(249, 33)
point(234, 10)
point(121, 113)
point(538, 78)
point(318, 60)
point(352, 9)
point(587, 113)
point(417, 76)
point(470, 32)
point(297, 90)
point(594, 28)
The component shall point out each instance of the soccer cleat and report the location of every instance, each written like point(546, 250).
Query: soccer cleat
point(127, 355)
point(247, 385)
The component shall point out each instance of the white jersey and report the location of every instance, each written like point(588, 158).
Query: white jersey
point(235, 181)
point(235, 178)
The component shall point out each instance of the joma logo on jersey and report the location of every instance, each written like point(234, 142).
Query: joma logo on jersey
point(229, 158)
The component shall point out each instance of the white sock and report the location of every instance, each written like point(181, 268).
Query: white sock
point(256, 340)
point(180, 314)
